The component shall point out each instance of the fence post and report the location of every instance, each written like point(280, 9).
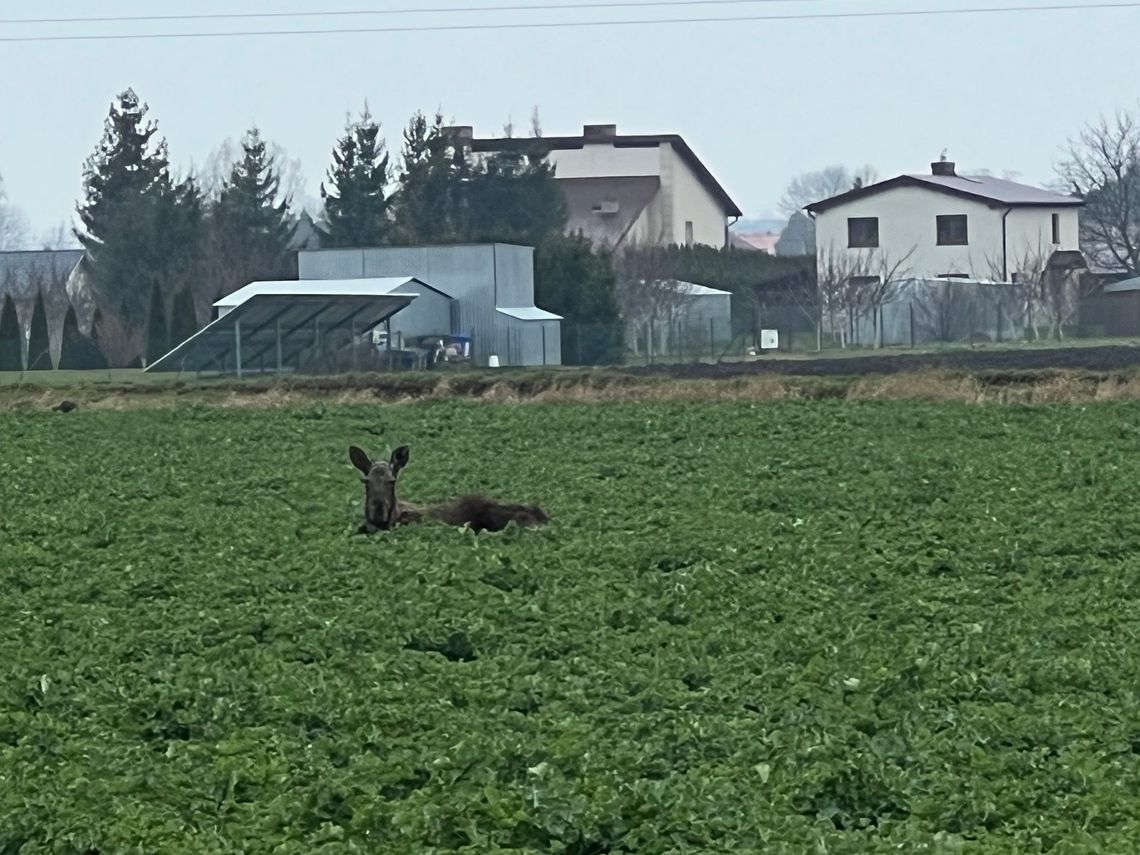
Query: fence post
point(712, 339)
point(910, 305)
point(999, 321)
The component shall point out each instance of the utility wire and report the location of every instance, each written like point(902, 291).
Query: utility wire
point(553, 25)
point(449, 10)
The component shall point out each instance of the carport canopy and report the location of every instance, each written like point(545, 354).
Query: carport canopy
point(273, 321)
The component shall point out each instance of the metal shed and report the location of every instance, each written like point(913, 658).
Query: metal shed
point(528, 336)
point(282, 326)
point(483, 279)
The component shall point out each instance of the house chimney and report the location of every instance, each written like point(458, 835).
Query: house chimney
point(459, 133)
point(942, 166)
point(599, 133)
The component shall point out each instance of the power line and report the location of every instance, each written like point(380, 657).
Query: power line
point(450, 10)
point(550, 25)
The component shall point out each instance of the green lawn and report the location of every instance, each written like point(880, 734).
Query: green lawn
point(801, 627)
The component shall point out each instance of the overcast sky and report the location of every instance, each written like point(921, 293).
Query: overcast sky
point(759, 101)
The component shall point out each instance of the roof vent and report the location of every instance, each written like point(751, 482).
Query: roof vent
point(599, 133)
point(942, 166)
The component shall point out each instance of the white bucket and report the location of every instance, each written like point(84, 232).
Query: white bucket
point(492, 361)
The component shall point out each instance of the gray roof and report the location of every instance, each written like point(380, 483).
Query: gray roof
point(24, 273)
point(993, 191)
point(998, 189)
point(629, 195)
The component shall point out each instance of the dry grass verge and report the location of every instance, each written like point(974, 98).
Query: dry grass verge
point(588, 387)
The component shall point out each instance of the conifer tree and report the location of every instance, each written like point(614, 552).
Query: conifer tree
point(426, 209)
point(39, 345)
point(250, 207)
point(249, 224)
point(138, 227)
point(11, 353)
point(356, 207)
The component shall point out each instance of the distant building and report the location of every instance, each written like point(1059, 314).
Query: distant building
point(624, 189)
point(764, 242)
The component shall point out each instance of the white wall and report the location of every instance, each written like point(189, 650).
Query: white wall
point(691, 201)
point(600, 160)
point(907, 221)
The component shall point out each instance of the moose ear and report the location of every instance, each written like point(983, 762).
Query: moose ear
point(399, 459)
point(360, 458)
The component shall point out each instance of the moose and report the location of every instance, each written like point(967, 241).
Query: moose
point(383, 511)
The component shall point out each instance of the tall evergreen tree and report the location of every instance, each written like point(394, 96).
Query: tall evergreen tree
point(183, 320)
point(426, 209)
point(157, 337)
point(356, 207)
point(78, 352)
point(249, 224)
point(39, 345)
point(513, 195)
point(11, 352)
point(579, 282)
point(251, 206)
point(137, 225)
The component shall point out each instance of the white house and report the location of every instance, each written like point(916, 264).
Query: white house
point(945, 225)
point(623, 189)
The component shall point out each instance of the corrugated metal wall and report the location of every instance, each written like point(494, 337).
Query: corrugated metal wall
point(514, 271)
point(525, 343)
point(428, 314)
point(480, 277)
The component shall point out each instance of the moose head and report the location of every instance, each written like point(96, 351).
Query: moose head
point(381, 509)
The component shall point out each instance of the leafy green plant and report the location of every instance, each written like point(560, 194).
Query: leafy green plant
point(798, 627)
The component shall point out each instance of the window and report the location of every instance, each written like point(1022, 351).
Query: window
point(1015, 278)
point(864, 281)
point(1056, 228)
point(952, 230)
point(862, 232)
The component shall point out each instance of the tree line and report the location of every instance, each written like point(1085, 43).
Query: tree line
point(160, 249)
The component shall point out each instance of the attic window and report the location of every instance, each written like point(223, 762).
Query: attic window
point(952, 230)
point(606, 207)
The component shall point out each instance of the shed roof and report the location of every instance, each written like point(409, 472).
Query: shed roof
point(295, 308)
point(529, 313)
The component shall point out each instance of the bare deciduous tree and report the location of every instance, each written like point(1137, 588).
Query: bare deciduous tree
point(855, 286)
point(13, 225)
point(823, 184)
point(1102, 165)
point(649, 296)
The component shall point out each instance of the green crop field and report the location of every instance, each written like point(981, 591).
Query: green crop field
point(797, 627)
